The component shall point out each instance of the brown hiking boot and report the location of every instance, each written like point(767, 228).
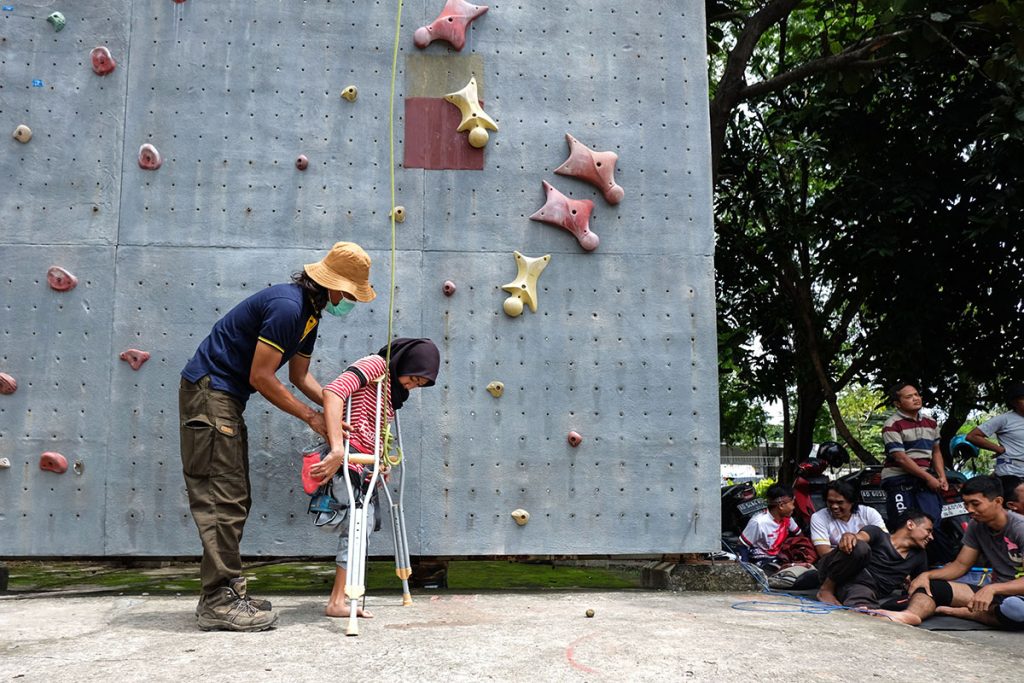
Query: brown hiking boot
point(227, 609)
point(258, 603)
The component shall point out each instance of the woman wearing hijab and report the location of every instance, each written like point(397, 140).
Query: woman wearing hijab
point(414, 363)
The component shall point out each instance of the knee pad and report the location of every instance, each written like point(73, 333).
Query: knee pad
point(1013, 609)
point(942, 592)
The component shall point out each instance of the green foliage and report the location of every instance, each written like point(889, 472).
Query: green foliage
point(761, 487)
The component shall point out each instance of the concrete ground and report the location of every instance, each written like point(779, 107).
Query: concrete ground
point(507, 636)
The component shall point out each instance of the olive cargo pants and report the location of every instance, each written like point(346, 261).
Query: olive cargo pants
point(215, 462)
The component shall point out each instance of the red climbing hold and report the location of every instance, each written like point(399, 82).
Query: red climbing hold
point(448, 288)
point(102, 62)
point(8, 385)
point(450, 25)
point(571, 214)
point(135, 357)
point(575, 439)
point(60, 279)
point(149, 158)
point(53, 462)
point(302, 162)
point(597, 168)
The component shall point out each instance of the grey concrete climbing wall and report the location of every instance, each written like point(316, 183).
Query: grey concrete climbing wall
point(621, 348)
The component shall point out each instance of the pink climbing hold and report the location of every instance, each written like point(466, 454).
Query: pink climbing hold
point(302, 162)
point(597, 168)
point(135, 357)
point(149, 158)
point(450, 25)
point(60, 279)
point(8, 385)
point(53, 462)
point(575, 439)
point(448, 288)
point(571, 214)
point(309, 484)
point(102, 62)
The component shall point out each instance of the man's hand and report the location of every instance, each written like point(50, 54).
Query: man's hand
point(982, 600)
point(315, 420)
point(326, 468)
point(920, 581)
point(847, 542)
point(936, 485)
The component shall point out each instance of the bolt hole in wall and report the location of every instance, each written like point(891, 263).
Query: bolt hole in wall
point(161, 252)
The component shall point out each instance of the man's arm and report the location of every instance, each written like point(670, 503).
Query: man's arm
point(951, 570)
point(298, 373)
point(912, 468)
point(979, 439)
point(939, 466)
point(823, 550)
point(263, 379)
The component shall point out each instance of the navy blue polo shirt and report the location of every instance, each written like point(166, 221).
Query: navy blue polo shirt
point(281, 316)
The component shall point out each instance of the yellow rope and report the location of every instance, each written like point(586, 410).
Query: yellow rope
point(391, 169)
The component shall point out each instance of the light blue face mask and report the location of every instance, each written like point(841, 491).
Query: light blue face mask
point(342, 308)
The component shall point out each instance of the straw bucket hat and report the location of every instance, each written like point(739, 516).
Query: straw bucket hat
point(346, 268)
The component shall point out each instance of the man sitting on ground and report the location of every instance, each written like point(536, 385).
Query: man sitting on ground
point(842, 517)
point(1013, 493)
point(876, 564)
point(767, 530)
point(987, 538)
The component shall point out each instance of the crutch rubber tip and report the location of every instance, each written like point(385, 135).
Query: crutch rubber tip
point(590, 613)
point(406, 600)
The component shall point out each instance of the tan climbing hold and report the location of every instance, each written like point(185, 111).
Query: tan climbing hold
point(474, 118)
point(399, 213)
point(521, 516)
point(22, 133)
point(350, 93)
point(524, 288)
point(496, 389)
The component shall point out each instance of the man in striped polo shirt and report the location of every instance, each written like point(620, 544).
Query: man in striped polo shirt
point(911, 440)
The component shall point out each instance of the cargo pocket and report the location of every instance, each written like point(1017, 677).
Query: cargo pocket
point(228, 458)
point(197, 439)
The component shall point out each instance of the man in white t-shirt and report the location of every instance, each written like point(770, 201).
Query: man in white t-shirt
point(767, 531)
point(1009, 429)
point(842, 518)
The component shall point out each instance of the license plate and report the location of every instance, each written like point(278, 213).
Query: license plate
point(953, 509)
point(749, 507)
point(873, 496)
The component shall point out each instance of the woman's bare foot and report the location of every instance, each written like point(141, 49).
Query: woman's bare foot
point(904, 617)
point(343, 610)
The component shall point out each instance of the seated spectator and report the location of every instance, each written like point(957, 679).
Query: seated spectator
point(1013, 493)
point(988, 539)
point(843, 516)
point(877, 565)
point(768, 530)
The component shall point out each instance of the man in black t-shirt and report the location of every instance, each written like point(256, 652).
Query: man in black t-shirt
point(869, 566)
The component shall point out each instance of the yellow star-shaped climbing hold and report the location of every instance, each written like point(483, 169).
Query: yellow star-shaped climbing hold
point(524, 288)
point(474, 118)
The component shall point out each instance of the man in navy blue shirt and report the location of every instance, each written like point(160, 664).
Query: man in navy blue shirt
point(240, 356)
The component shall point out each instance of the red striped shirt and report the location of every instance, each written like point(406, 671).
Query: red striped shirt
point(364, 399)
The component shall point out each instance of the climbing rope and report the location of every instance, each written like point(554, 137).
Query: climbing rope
point(391, 171)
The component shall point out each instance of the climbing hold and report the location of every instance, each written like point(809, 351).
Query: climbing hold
point(590, 614)
point(575, 439)
point(57, 20)
point(474, 118)
point(8, 385)
point(79, 467)
point(22, 133)
point(102, 62)
point(524, 288)
point(53, 462)
point(448, 288)
point(180, 2)
point(350, 93)
point(496, 389)
point(571, 214)
point(450, 25)
point(302, 162)
point(521, 516)
point(596, 168)
point(135, 357)
point(399, 213)
point(149, 158)
point(60, 279)
point(4, 463)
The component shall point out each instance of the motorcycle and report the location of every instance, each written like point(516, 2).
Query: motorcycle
point(739, 504)
point(809, 485)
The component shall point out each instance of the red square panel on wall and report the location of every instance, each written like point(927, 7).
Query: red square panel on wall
point(432, 140)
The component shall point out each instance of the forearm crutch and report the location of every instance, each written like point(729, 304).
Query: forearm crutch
point(355, 578)
point(403, 566)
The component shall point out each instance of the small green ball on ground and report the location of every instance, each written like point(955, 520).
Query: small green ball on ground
point(590, 613)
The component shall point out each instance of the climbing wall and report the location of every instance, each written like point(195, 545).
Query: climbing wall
point(164, 239)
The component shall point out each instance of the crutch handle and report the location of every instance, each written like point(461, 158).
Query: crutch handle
point(361, 458)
